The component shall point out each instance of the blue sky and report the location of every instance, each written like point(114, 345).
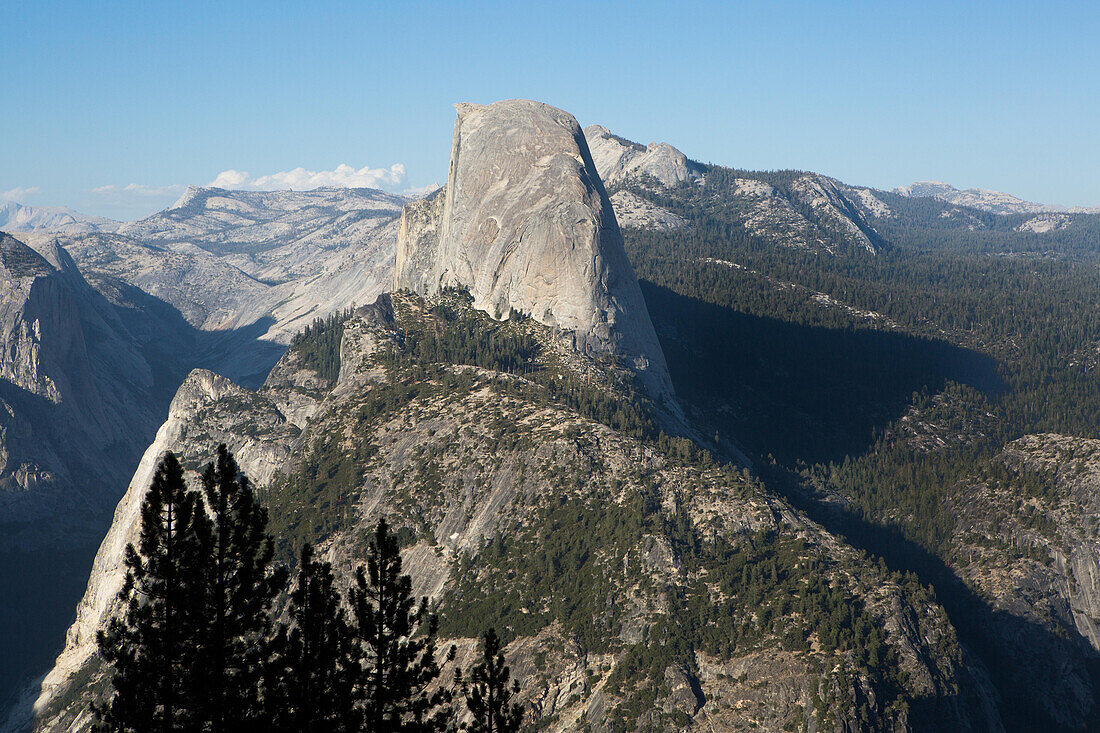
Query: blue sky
point(111, 107)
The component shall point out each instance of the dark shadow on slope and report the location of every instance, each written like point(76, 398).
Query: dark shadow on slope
point(800, 392)
point(39, 590)
point(173, 347)
point(1025, 661)
point(817, 394)
point(241, 354)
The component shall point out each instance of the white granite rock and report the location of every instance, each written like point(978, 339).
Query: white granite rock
point(617, 159)
point(524, 224)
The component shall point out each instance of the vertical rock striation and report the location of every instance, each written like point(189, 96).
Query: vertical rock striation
point(524, 224)
point(74, 390)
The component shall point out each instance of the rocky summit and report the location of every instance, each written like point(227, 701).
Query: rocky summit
point(74, 386)
point(618, 159)
point(524, 224)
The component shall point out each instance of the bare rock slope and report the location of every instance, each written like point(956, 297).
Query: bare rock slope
point(74, 388)
point(635, 212)
point(524, 223)
point(254, 266)
point(618, 159)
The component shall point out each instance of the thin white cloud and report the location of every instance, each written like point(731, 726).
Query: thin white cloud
point(300, 179)
point(140, 190)
point(133, 200)
point(421, 191)
point(18, 195)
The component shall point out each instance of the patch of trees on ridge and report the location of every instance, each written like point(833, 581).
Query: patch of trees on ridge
point(318, 344)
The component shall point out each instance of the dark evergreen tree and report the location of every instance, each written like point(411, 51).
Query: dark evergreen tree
point(242, 585)
point(397, 645)
point(487, 693)
point(152, 647)
point(311, 671)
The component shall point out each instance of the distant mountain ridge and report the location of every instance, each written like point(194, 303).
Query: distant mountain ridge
point(266, 261)
point(996, 202)
point(813, 212)
point(17, 218)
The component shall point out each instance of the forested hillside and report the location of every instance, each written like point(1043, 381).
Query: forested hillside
point(877, 390)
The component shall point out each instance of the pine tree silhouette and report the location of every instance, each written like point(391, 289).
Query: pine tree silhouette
point(396, 639)
point(241, 588)
point(153, 646)
point(311, 671)
point(487, 694)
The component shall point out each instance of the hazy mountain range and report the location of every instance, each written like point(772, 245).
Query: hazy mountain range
point(986, 200)
point(15, 217)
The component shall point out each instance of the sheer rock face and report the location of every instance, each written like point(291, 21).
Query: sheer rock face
point(524, 223)
point(78, 403)
point(75, 396)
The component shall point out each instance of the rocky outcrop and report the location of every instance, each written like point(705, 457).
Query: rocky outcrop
point(484, 476)
point(830, 202)
point(1045, 223)
point(634, 212)
point(525, 225)
point(1028, 539)
point(206, 410)
point(617, 159)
